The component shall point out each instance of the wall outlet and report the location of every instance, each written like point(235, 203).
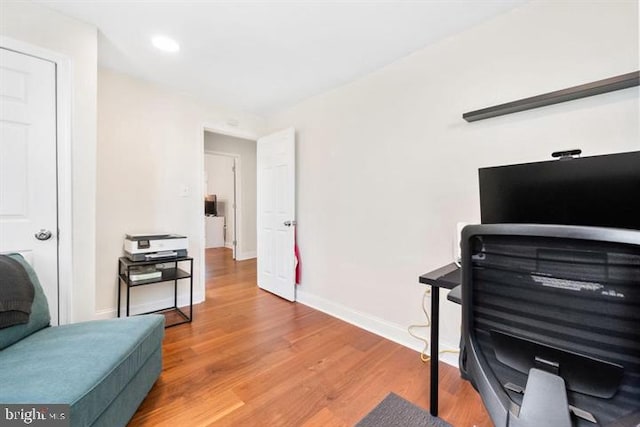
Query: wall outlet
point(185, 191)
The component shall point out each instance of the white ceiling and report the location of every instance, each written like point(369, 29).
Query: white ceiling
point(262, 56)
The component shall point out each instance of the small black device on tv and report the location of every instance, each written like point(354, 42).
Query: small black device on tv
point(599, 191)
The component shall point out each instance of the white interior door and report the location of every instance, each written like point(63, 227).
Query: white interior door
point(234, 211)
point(276, 213)
point(28, 176)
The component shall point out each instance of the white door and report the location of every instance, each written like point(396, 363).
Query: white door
point(234, 211)
point(276, 213)
point(28, 194)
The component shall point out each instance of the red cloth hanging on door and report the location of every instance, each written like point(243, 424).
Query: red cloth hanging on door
point(296, 252)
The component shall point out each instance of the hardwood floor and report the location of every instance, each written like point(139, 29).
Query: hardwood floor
point(251, 358)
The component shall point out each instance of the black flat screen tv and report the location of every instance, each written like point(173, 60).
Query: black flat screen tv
point(595, 191)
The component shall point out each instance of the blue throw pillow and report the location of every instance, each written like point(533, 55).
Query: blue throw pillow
point(39, 318)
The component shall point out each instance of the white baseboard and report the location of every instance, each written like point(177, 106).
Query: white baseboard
point(228, 245)
point(183, 301)
point(390, 331)
point(241, 256)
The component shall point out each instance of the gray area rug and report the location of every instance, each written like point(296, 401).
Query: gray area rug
point(394, 411)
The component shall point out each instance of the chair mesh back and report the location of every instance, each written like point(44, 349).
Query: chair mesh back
point(579, 296)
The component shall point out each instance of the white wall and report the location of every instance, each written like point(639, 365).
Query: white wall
point(246, 151)
point(396, 137)
point(219, 176)
point(47, 29)
point(150, 149)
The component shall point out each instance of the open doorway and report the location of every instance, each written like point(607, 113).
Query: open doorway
point(230, 175)
point(221, 193)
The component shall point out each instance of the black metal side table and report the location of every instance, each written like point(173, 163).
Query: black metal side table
point(172, 274)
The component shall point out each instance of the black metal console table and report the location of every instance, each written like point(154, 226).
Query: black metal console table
point(447, 277)
point(173, 274)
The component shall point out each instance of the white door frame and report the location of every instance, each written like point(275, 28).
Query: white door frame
point(64, 67)
point(237, 191)
point(221, 129)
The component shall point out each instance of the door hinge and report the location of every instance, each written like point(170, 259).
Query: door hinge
point(235, 242)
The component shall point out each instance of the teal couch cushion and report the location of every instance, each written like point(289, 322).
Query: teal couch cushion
point(39, 317)
point(86, 365)
point(124, 407)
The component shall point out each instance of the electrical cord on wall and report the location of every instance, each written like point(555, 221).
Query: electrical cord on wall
point(423, 354)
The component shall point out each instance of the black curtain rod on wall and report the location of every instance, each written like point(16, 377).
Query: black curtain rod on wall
point(611, 84)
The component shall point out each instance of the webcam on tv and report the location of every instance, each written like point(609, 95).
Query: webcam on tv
point(566, 154)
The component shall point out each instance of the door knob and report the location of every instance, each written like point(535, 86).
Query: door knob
point(289, 223)
point(43, 234)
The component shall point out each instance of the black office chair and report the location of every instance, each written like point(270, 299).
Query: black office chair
point(551, 323)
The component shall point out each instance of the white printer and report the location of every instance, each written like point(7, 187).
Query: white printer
point(149, 247)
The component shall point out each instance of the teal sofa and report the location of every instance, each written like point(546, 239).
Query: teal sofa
point(103, 369)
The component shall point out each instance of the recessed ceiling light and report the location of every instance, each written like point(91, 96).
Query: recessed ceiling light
point(165, 44)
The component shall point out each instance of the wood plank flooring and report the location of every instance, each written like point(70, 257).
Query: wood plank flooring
point(252, 359)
